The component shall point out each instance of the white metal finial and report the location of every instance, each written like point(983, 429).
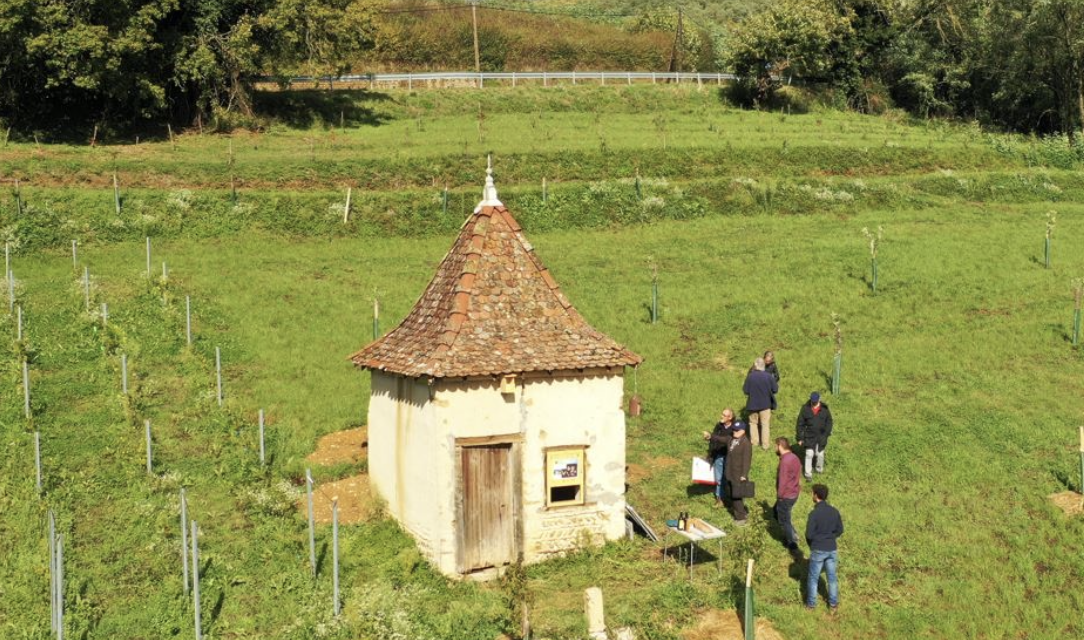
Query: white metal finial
point(489, 194)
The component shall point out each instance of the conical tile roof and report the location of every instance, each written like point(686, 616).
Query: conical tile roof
point(492, 309)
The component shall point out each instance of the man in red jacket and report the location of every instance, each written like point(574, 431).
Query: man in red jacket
point(788, 486)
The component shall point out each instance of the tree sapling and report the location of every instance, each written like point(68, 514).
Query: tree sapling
point(1051, 222)
point(874, 243)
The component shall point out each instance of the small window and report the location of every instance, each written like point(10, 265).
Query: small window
point(565, 472)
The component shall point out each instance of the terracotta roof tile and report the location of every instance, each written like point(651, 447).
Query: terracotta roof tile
point(491, 309)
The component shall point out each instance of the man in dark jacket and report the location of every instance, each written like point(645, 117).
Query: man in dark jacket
point(718, 444)
point(770, 366)
point(739, 457)
point(772, 369)
point(814, 427)
point(823, 528)
point(760, 388)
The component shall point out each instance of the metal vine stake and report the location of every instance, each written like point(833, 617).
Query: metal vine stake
point(654, 290)
point(1078, 298)
point(837, 361)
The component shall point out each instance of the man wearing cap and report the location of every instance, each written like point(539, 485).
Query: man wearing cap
point(760, 388)
point(718, 445)
point(739, 457)
point(814, 427)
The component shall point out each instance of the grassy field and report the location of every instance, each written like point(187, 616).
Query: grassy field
point(957, 416)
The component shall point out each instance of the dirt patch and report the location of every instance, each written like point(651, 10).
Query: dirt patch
point(355, 500)
point(1071, 502)
point(662, 462)
point(635, 473)
point(716, 624)
point(350, 446)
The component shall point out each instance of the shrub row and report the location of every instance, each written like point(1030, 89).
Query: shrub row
point(53, 217)
point(784, 160)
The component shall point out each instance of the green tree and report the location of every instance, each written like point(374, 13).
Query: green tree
point(789, 38)
point(118, 62)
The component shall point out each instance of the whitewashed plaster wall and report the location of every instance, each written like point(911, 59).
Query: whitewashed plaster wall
point(412, 459)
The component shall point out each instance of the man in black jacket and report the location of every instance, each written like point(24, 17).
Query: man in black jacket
point(718, 444)
point(823, 528)
point(814, 427)
point(770, 366)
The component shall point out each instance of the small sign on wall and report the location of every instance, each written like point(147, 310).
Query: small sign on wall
point(565, 476)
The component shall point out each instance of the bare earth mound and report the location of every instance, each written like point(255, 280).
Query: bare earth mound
point(716, 624)
point(355, 500)
point(350, 446)
point(1068, 501)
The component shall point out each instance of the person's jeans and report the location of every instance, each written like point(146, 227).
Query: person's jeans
point(828, 561)
point(783, 507)
point(810, 452)
point(719, 467)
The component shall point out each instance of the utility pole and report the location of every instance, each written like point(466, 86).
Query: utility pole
point(477, 58)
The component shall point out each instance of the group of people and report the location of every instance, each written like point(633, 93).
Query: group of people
point(730, 452)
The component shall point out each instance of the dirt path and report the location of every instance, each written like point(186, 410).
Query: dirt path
point(355, 500)
point(351, 446)
point(355, 497)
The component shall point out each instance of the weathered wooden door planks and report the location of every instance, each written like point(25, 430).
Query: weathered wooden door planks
point(487, 537)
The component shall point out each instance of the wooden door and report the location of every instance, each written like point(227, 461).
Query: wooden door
point(487, 508)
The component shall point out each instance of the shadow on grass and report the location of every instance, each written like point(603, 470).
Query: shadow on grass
point(306, 108)
point(216, 610)
point(320, 556)
point(696, 490)
point(1070, 484)
point(797, 570)
point(775, 530)
point(647, 313)
point(706, 553)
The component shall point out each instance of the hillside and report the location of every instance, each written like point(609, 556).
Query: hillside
point(956, 419)
point(553, 35)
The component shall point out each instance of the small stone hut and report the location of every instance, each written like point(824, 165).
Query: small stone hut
point(496, 430)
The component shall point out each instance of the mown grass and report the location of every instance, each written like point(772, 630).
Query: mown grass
point(957, 416)
point(563, 133)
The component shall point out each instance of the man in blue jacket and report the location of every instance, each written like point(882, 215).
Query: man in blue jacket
point(760, 388)
point(823, 528)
